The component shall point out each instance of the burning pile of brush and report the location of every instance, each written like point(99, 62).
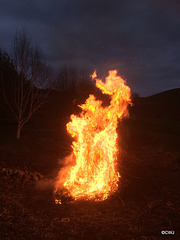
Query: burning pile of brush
point(94, 173)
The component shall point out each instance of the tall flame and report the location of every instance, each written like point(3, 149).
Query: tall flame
point(94, 175)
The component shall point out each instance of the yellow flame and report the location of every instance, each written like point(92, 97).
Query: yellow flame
point(94, 175)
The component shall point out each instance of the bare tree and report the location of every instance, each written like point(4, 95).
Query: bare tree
point(28, 89)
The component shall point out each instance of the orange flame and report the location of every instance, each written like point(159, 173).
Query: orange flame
point(94, 175)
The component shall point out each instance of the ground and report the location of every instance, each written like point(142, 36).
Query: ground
point(146, 203)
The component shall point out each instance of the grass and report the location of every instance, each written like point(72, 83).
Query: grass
point(146, 203)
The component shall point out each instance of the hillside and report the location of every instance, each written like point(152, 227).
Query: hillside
point(172, 96)
point(162, 105)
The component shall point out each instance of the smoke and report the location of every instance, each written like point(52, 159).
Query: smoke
point(68, 162)
point(56, 183)
point(45, 184)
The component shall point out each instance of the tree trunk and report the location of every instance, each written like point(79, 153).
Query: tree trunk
point(18, 135)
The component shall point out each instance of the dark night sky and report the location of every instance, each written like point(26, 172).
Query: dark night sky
point(141, 38)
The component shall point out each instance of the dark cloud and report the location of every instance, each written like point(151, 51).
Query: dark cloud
point(141, 38)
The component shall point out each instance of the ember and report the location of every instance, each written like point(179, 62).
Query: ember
point(94, 175)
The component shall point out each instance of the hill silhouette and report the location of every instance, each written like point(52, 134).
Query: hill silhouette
point(161, 105)
point(172, 95)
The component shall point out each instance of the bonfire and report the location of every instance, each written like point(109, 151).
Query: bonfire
point(94, 174)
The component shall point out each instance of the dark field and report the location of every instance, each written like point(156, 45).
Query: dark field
point(146, 203)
